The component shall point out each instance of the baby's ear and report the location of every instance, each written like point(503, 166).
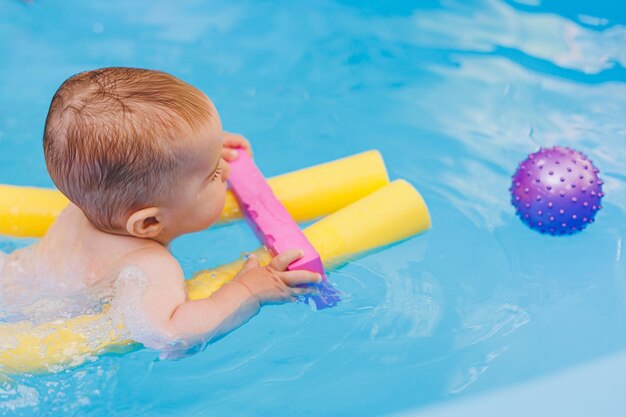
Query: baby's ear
point(145, 223)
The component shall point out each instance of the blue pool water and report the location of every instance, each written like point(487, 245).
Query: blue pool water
point(476, 315)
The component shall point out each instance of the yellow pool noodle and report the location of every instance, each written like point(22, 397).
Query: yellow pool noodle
point(390, 214)
point(307, 194)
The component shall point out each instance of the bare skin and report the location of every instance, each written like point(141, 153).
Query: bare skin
point(95, 257)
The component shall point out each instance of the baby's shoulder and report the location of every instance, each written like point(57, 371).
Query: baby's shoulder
point(154, 261)
point(152, 275)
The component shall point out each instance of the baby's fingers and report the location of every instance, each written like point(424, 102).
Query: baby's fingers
point(234, 140)
point(251, 263)
point(283, 260)
point(302, 291)
point(229, 155)
point(295, 278)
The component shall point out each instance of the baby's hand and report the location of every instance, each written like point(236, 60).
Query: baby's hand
point(231, 142)
point(273, 284)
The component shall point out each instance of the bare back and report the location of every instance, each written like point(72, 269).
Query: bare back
point(72, 258)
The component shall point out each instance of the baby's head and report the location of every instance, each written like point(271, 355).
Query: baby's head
point(138, 151)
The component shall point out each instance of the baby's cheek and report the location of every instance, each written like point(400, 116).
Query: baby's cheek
point(218, 204)
point(212, 205)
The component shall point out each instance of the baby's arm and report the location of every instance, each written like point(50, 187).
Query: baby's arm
point(169, 315)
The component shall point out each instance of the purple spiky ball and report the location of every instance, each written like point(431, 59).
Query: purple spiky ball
point(557, 191)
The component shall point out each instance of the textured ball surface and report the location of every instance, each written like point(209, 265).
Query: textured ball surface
point(556, 191)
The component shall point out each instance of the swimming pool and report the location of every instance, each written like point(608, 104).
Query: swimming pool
point(479, 313)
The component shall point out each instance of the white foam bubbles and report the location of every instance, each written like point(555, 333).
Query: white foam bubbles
point(126, 309)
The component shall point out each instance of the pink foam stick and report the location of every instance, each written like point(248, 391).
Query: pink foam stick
point(273, 224)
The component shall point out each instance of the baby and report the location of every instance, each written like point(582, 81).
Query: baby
point(143, 159)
